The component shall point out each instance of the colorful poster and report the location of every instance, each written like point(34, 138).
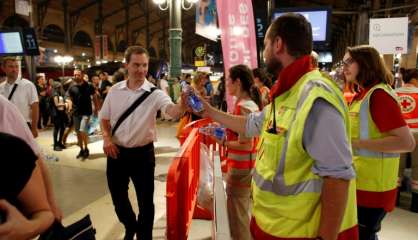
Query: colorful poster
point(206, 19)
point(236, 22)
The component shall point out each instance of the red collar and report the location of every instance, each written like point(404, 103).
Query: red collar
point(290, 75)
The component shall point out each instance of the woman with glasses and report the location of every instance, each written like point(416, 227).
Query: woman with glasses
point(379, 134)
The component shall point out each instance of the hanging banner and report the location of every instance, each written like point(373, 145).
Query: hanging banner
point(206, 22)
point(105, 47)
point(236, 21)
point(97, 47)
point(389, 35)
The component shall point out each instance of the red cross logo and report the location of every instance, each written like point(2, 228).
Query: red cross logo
point(407, 103)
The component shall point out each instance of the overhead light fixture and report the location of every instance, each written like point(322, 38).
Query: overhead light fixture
point(165, 4)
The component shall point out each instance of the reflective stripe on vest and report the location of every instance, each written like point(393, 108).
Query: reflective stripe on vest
point(286, 192)
point(365, 134)
point(240, 159)
point(278, 185)
point(376, 171)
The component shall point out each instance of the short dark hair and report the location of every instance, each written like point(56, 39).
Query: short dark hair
point(410, 74)
point(134, 50)
point(262, 75)
point(371, 66)
point(6, 59)
point(295, 31)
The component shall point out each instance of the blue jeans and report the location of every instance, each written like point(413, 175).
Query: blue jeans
point(369, 222)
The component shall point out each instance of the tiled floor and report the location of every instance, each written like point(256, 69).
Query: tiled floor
point(81, 189)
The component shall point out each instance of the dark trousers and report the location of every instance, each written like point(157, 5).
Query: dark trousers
point(137, 164)
point(369, 221)
point(59, 127)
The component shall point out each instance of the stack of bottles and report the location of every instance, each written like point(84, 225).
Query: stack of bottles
point(217, 131)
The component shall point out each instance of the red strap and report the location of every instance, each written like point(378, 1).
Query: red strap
point(258, 234)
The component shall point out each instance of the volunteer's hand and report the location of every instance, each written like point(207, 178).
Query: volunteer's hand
point(184, 105)
point(109, 148)
point(16, 226)
point(206, 107)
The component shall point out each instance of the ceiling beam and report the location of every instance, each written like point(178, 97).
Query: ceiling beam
point(82, 8)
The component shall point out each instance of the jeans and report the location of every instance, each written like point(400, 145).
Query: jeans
point(369, 221)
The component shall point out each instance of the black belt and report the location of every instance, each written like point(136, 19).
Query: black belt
point(146, 147)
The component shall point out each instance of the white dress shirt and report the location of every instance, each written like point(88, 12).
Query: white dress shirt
point(24, 96)
point(139, 128)
point(12, 122)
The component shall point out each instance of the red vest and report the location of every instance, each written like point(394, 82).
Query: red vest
point(408, 100)
point(247, 159)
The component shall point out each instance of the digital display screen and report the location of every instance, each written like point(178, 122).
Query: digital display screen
point(318, 19)
point(325, 57)
point(11, 43)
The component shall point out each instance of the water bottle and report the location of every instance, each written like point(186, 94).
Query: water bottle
point(219, 133)
point(192, 100)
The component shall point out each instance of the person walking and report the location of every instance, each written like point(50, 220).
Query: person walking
point(59, 115)
point(377, 139)
point(128, 122)
point(80, 95)
point(299, 190)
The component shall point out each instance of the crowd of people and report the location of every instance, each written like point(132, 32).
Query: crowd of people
point(275, 140)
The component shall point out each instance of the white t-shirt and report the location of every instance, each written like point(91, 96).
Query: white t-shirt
point(12, 122)
point(164, 85)
point(139, 128)
point(24, 96)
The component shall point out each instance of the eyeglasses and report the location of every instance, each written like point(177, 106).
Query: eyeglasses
point(347, 62)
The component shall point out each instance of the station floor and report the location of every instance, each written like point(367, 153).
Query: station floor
point(81, 188)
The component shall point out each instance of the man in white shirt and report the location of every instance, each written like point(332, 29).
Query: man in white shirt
point(130, 150)
point(21, 92)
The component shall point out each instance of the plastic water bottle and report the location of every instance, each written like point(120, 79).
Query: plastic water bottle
point(219, 132)
point(192, 100)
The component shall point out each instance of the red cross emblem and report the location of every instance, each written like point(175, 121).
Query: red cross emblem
point(407, 103)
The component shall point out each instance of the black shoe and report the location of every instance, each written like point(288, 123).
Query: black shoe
point(62, 145)
point(129, 235)
point(80, 154)
point(414, 203)
point(57, 148)
point(86, 153)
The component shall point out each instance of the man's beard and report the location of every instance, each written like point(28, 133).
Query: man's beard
point(274, 66)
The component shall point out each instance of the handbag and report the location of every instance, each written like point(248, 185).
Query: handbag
point(80, 230)
point(187, 117)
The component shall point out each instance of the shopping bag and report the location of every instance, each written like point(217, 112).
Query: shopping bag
point(187, 117)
